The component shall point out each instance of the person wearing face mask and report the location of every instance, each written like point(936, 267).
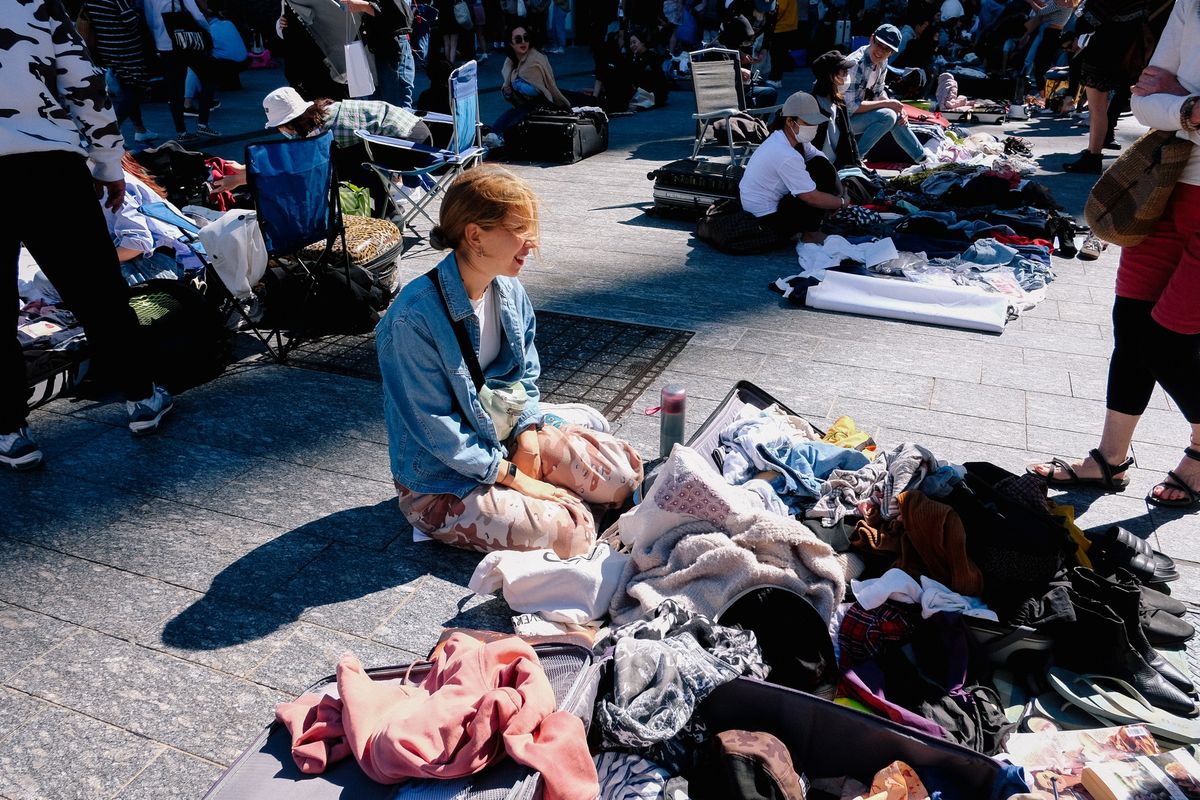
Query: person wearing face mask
point(473, 464)
point(297, 118)
point(789, 185)
point(873, 114)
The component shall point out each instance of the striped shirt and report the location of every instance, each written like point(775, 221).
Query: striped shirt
point(120, 46)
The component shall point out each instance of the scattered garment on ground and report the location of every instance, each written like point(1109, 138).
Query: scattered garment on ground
point(574, 590)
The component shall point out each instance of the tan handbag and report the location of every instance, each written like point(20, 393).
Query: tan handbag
point(1131, 196)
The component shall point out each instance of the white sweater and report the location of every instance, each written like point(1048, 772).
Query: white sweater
point(52, 96)
point(1178, 51)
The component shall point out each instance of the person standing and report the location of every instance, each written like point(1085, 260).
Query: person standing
point(873, 114)
point(177, 61)
point(56, 120)
point(386, 27)
point(119, 47)
point(1156, 319)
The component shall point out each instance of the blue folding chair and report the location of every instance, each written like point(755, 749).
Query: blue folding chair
point(295, 193)
point(391, 158)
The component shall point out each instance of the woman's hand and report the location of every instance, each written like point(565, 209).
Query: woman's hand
point(1156, 80)
point(234, 177)
point(540, 490)
point(527, 454)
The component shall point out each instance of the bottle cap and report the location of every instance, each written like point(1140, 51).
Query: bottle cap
point(674, 398)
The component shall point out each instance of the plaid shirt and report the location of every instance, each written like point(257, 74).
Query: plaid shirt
point(864, 634)
point(372, 116)
point(865, 81)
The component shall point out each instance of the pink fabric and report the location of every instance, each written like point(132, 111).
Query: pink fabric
point(315, 722)
point(478, 702)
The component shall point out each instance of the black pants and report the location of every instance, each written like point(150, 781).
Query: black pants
point(175, 66)
point(795, 216)
point(1145, 353)
point(56, 216)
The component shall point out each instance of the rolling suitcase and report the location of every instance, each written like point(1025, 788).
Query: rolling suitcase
point(689, 186)
point(560, 136)
point(266, 769)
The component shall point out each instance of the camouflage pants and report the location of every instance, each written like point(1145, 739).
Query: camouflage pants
point(597, 468)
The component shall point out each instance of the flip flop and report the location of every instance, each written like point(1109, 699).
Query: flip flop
point(1106, 481)
point(1116, 694)
point(1066, 715)
point(1080, 693)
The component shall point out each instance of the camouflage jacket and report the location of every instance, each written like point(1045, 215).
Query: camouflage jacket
point(52, 96)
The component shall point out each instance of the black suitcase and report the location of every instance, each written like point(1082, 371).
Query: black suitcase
point(559, 137)
point(690, 185)
point(998, 89)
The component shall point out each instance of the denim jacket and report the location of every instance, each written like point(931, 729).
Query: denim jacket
point(440, 439)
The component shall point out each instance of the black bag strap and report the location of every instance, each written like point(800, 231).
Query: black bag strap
point(460, 333)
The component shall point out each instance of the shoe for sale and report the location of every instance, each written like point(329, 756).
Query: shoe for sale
point(146, 415)
point(19, 452)
point(1088, 163)
point(204, 130)
point(1092, 248)
point(1064, 233)
point(145, 136)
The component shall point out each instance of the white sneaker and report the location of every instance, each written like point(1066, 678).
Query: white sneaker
point(145, 136)
point(482, 57)
point(493, 140)
point(146, 415)
point(18, 451)
point(555, 50)
point(1092, 248)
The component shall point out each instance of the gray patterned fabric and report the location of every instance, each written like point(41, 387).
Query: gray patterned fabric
point(625, 776)
point(52, 96)
point(663, 668)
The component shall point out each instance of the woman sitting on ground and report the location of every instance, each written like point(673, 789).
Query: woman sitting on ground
point(528, 84)
point(789, 185)
point(297, 118)
point(477, 469)
point(146, 247)
point(835, 139)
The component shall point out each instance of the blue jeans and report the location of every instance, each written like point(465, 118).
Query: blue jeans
point(871, 126)
point(396, 73)
point(557, 33)
point(508, 118)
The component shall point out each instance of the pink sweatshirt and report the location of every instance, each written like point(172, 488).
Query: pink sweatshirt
point(478, 702)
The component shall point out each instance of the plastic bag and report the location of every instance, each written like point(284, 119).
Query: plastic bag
point(359, 76)
point(355, 200)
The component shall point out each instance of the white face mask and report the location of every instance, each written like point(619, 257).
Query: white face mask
point(804, 133)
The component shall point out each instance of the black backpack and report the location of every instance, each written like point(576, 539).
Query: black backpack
point(733, 230)
point(185, 339)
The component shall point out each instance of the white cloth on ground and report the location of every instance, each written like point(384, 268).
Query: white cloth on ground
point(576, 590)
point(815, 259)
point(973, 308)
point(937, 597)
point(933, 597)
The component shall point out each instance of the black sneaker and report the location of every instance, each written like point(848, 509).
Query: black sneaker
point(1088, 163)
point(19, 452)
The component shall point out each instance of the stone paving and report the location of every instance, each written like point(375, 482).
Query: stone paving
point(159, 596)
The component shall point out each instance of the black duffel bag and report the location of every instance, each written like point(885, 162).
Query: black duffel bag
point(733, 230)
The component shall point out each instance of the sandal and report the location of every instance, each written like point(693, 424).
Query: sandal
point(1173, 481)
point(1106, 481)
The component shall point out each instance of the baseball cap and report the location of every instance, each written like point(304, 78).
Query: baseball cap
point(803, 106)
point(284, 105)
point(888, 36)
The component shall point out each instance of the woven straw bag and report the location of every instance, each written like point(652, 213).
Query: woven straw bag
point(1130, 197)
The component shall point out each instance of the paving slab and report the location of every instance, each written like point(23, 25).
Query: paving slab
point(172, 775)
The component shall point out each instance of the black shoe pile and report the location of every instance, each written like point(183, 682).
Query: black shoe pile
point(1018, 146)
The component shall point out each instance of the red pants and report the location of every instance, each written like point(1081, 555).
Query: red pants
point(1165, 268)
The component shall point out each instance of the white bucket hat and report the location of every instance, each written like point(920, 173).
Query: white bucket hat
point(284, 105)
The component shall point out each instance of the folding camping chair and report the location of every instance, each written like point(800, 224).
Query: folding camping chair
point(720, 94)
point(391, 159)
point(295, 195)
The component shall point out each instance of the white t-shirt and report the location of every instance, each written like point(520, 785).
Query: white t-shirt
point(489, 326)
point(776, 169)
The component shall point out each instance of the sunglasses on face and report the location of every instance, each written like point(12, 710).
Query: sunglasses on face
point(519, 39)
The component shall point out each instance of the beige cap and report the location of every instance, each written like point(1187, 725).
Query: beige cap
point(284, 105)
point(803, 106)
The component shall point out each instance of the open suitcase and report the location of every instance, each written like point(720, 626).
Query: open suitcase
point(560, 136)
point(826, 740)
point(266, 769)
point(688, 186)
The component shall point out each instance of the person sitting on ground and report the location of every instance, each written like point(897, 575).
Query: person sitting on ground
point(789, 185)
point(646, 67)
point(297, 118)
point(478, 469)
point(528, 84)
point(836, 138)
point(138, 237)
point(873, 114)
